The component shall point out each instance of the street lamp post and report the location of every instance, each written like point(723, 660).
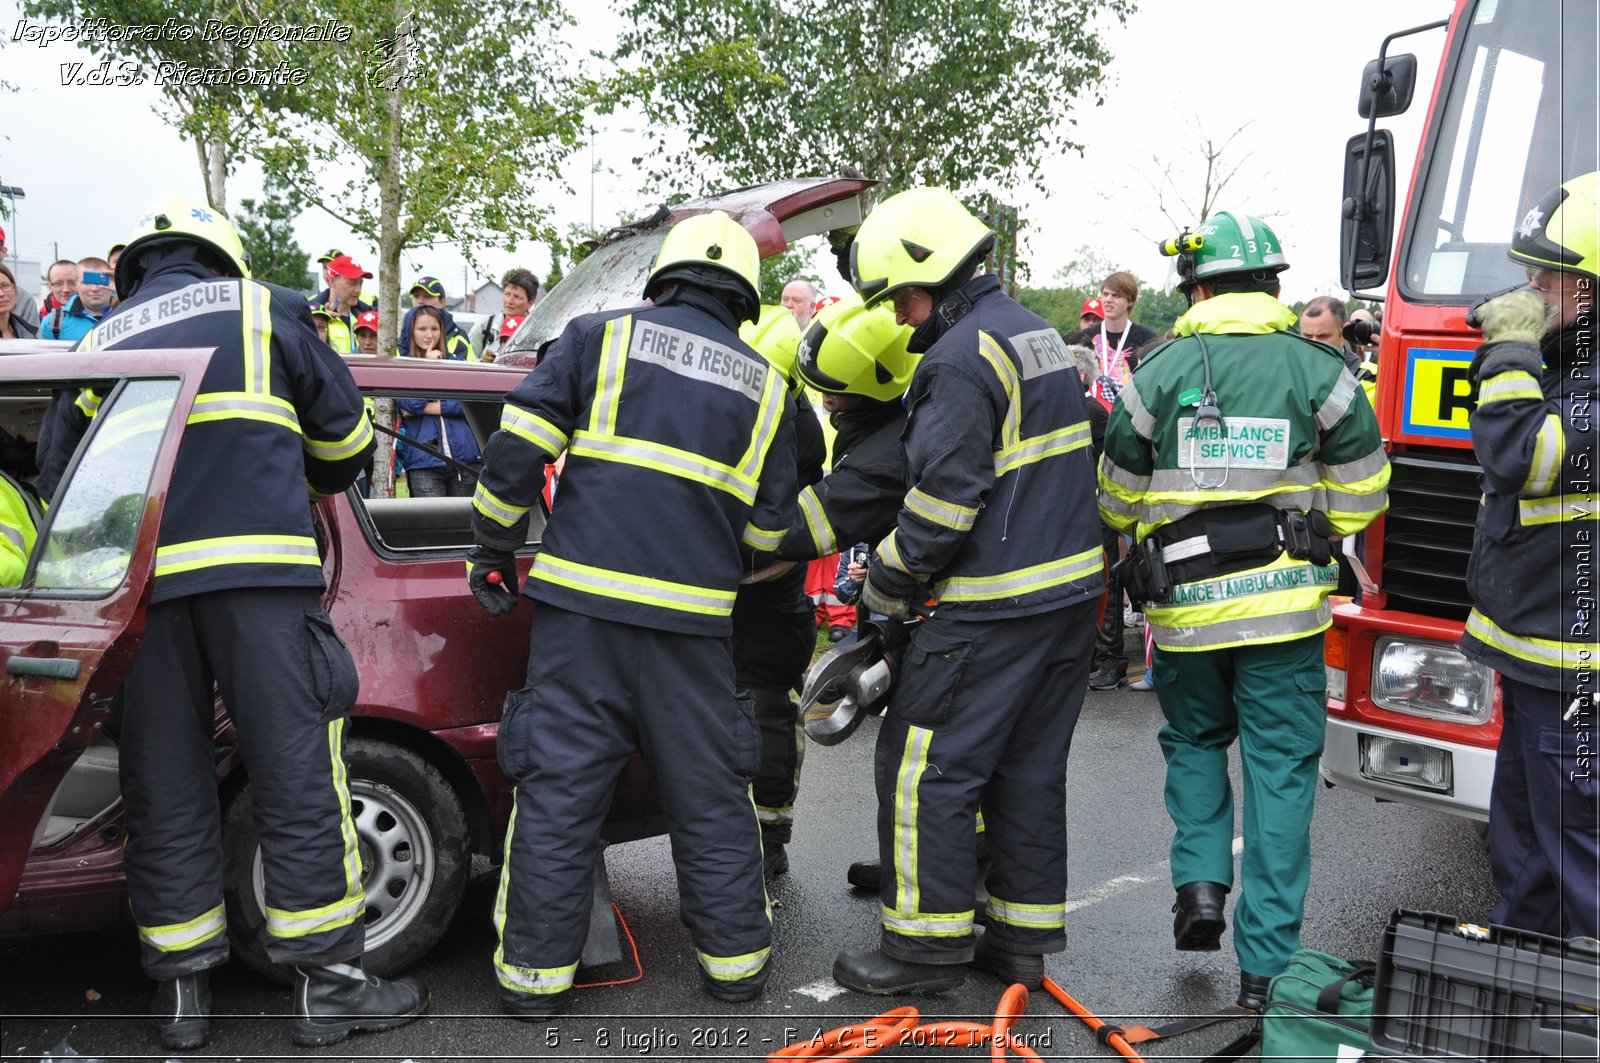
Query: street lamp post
point(13, 193)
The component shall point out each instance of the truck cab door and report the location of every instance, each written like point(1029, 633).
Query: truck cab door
point(69, 632)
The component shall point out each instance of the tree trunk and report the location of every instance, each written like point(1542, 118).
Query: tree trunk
point(389, 234)
point(217, 172)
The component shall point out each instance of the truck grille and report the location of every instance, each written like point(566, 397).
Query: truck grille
point(1427, 532)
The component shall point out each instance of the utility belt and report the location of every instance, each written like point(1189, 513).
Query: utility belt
point(1220, 542)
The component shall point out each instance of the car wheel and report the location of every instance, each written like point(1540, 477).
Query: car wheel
point(411, 832)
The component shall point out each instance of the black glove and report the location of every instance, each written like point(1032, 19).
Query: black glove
point(492, 575)
point(840, 241)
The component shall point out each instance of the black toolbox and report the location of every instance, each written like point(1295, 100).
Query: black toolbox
point(1448, 990)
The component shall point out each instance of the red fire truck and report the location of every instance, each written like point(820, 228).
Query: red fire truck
point(1512, 115)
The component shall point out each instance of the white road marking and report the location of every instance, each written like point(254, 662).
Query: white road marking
point(824, 989)
point(1125, 883)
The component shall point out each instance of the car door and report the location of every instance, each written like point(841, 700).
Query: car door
point(68, 633)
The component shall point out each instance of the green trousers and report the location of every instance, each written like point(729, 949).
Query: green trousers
point(1273, 699)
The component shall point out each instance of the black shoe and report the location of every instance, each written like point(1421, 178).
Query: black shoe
point(871, 971)
point(774, 862)
point(1252, 991)
point(865, 875)
point(1012, 968)
point(334, 1001)
point(181, 1009)
point(839, 632)
point(534, 1006)
point(1198, 926)
point(1109, 675)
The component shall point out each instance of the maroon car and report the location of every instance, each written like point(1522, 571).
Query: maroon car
point(427, 794)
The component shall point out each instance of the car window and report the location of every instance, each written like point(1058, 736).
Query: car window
point(91, 528)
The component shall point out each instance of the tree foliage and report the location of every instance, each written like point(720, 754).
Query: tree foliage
point(266, 228)
point(1080, 280)
point(909, 91)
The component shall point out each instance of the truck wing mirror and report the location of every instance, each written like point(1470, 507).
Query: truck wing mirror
point(1387, 91)
point(1366, 233)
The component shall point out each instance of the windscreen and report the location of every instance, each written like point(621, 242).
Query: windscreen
point(1516, 118)
point(610, 278)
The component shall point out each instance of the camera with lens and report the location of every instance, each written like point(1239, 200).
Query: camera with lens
point(1359, 333)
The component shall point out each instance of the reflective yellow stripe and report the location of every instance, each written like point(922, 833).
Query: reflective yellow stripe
point(282, 923)
point(1546, 652)
point(1037, 448)
point(927, 924)
point(613, 362)
point(535, 429)
point(995, 355)
point(822, 534)
point(88, 403)
point(1281, 600)
point(1031, 916)
point(256, 303)
point(243, 405)
point(1022, 581)
point(339, 449)
point(175, 937)
point(627, 586)
point(485, 502)
point(779, 816)
point(760, 538)
point(1503, 387)
point(936, 510)
point(773, 399)
point(540, 981)
point(913, 762)
point(237, 550)
point(1549, 451)
point(733, 968)
point(1557, 508)
point(889, 553)
point(670, 460)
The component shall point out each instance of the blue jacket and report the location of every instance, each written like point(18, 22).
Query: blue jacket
point(74, 322)
point(424, 428)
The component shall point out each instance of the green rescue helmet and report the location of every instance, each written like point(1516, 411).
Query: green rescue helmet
point(174, 219)
point(1560, 230)
point(774, 334)
point(851, 349)
point(712, 251)
point(1226, 243)
point(920, 238)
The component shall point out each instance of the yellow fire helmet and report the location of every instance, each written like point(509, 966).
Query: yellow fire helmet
point(919, 238)
point(851, 349)
point(713, 251)
point(1560, 231)
point(775, 335)
point(176, 218)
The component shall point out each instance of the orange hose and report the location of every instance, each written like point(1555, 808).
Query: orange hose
point(1094, 1022)
point(899, 1027)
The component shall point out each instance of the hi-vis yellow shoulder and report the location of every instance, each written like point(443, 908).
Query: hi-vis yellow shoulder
point(1438, 396)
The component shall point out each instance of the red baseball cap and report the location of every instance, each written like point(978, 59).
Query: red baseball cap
point(826, 300)
point(2, 234)
point(510, 326)
point(345, 266)
point(367, 319)
point(1092, 307)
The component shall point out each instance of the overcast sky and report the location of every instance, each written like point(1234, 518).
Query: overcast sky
point(91, 159)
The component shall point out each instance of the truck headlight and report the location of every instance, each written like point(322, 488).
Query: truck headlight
point(1431, 679)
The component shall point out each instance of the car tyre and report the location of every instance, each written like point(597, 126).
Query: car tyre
point(412, 834)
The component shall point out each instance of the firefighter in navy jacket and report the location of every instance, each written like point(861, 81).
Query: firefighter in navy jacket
point(1531, 573)
point(680, 469)
point(237, 601)
point(999, 528)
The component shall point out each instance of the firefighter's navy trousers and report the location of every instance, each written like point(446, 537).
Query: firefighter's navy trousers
point(983, 714)
point(288, 683)
point(597, 690)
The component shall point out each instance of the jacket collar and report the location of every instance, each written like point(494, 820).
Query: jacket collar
point(951, 309)
point(1236, 313)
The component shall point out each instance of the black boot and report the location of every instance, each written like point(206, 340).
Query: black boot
point(1252, 991)
point(534, 1006)
point(737, 992)
point(181, 1009)
point(871, 971)
point(1012, 968)
point(865, 875)
point(1199, 923)
point(336, 1000)
point(1109, 675)
point(774, 861)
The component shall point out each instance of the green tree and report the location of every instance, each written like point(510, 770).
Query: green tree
point(1157, 309)
point(778, 270)
point(266, 227)
point(909, 91)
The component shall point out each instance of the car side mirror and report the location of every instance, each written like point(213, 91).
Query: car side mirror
point(1366, 234)
point(1387, 91)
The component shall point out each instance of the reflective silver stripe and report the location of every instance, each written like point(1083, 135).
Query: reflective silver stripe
point(1279, 627)
point(1179, 482)
point(1128, 481)
point(1022, 581)
point(937, 511)
point(1557, 508)
point(258, 338)
point(1144, 425)
point(542, 981)
point(630, 587)
point(1513, 385)
point(822, 535)
point(1035, 448)
point(613, 359)
point(1355, 471)
point(1036, 916)
point(1546, 652)
point(733, 968)
point(88, 403)
point(927, 924)
point(665, 459)
point(13, 536)
point(1354, 503)
point(484, 501)
point(913, 762)
point(220, 404)
point(348, 447)
point(1184, 549)
point(780, 816)
point(1338, 400)
point(1549, 451)
point(535, 429)
point(760, 538)
point(1156, 514)
point(237, 549)
point(283, 924)
point(175, 937)
point(889, 553)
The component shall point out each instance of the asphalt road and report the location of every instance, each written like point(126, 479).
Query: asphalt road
point(1368, 860)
